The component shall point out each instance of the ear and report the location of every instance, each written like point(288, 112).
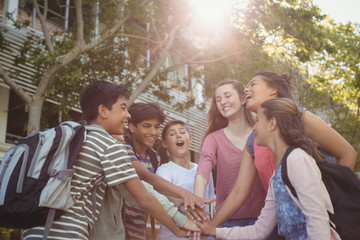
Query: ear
point(163, 143)
point(273, 124)
point(243, 102)
point(190, 139)
point(131, 127)
point(103, 111)
point(272, 91)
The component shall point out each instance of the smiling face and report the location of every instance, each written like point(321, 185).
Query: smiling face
point(227, 101)
point(258, 91)
point(146, 132)
point(177, 141)
point(117, 118)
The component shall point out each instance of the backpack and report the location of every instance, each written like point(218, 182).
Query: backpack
point(35, 176)
point(344, 190)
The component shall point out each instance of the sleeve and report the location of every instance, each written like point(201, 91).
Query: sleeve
point(165, 172)
point(116, 165)
point(260, 230)
point(314, 199)
point(208, 157)
point(179, 218)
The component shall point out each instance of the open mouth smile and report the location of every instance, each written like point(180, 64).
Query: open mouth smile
point(180, 143)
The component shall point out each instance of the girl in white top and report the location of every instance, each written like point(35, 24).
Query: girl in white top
point(279, 126)
point(179, 170)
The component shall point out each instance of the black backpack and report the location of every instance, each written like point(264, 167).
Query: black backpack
point(344, 190)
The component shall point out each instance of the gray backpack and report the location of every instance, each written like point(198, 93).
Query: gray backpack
point(35, 177)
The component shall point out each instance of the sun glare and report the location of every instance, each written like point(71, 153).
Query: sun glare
point(215, 11)
point(210, 11)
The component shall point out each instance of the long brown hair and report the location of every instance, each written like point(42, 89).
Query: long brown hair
point(217, 121)
point(291, 125)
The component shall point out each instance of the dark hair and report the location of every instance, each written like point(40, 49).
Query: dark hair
point(145, 111)
point(99, 93)
point(291, 125)
point(169, 124)
point(217, 121)
point(281, 82)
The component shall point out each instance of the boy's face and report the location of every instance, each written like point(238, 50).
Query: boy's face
point(146, 132)
point(177, 140)
point(117, 118)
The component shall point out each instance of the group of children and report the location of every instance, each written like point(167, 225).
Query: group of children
point(252, 202)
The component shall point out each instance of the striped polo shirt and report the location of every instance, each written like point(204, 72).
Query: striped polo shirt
point(100, 156)
point(135, 222)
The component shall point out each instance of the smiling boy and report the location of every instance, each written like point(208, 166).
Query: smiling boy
point(101, 157)
point(144, 127)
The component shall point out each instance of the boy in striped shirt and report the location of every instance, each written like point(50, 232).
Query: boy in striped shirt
point(104, 107)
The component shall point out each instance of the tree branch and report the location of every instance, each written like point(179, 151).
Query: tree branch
point(79, 23)
point(190, 61)
point(42, 18)
point(154, 70)
point(26, 97)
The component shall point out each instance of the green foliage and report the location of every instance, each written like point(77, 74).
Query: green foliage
point(10, 234)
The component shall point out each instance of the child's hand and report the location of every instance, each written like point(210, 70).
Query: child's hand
point(206, 228)
point(191, 226)
point(198, 214)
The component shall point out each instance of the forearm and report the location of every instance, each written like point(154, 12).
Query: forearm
point(200, 185)
point(153, 207)
point(169, 206)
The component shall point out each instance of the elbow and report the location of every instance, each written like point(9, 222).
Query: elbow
point(349, 159)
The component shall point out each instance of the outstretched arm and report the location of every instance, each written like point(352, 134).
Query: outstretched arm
point(200, 185)
point(149, 204)
point(240, 191)
point(165, 187)
point(330, 140)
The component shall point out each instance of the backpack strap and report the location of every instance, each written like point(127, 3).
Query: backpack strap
point(284, 174)
point(250, 144)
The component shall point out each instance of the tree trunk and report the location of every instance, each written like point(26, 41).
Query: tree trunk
point(34, 116)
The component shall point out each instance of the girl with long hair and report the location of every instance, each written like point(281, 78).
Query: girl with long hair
point(264, 86)
point(229, 125)
point(280, 127)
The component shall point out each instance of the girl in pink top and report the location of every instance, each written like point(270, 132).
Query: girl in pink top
point(264, 86)
point(229, 125)
point(279, 126)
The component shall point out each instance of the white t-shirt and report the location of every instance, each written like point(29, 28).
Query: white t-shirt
point(184, 178)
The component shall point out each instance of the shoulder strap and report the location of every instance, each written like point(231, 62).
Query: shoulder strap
point(250, 144)
point(149, 151)
point(284, 174)
point(153, 158)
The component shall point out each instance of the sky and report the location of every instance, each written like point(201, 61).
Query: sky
point(341, 10)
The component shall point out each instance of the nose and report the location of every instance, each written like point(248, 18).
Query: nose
point(246, 90)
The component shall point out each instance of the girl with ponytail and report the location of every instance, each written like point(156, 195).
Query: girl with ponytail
point(279, 127)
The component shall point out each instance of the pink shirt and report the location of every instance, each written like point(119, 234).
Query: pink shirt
point(264, 163)
point(314, 201)
point(219, 151)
